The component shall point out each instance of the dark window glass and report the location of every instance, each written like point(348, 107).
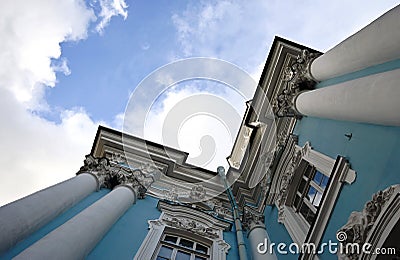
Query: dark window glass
point(182, 256)
point(309, 171)
point(186, 243)
point(307, 213)
point(302, 185)
point(171, 239)
point(202, 249)
point(165, 252)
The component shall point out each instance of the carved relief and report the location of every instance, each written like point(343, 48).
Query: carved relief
point(298, 78)
point(285, 183)
point(191, 226)
point(360, 224)
point(197, 192)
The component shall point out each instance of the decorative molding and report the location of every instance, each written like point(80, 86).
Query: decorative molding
point(298, 78)
point(111, 173)
point(360, 226)
point(181, 219)
point(191, 226)
point(197, 192)
point(286, 179)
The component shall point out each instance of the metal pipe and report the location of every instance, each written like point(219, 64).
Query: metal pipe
point(236, 216)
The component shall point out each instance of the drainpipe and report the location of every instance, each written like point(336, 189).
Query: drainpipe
point(236, 216)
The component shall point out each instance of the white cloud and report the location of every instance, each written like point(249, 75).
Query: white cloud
point(110, 8)
point(209, 109)
point(36, 152)
point(242, 31)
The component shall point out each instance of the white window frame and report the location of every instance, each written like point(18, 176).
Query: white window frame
point(158, 227)
point(176, 246)
point(339, 172)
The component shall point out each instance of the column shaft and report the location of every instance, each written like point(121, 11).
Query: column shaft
point(374, 44)
point(21, 218)
point(372, 99)
point(78, 236)
point(257, 235)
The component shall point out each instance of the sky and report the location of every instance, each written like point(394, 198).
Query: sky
point(68, 66)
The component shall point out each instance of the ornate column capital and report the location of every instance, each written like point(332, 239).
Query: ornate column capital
point(252, 219)
point(112, 173)
point(298, 78)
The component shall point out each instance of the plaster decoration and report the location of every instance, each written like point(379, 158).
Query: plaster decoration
point(251, 219)
point(197, 192)
point(298, 78)
point(118, 158)
point(359, 225)
point(171, 194)
point(110, 174)
point(220, 209)
point(285, 183)
point(191, 226)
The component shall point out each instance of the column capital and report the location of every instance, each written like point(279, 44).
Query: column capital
point(297, 78)
point(111, 174)
point(252, 219)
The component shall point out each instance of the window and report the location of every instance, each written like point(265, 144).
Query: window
point(305, 187)
point(183, 232)
point(180, 248)
point(312, 185)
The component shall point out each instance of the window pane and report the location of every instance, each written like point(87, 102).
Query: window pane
point(297, 201)
point(182, 256)
point(309, 171)
point(199, 258)
point(302, 185)
point(317, 199)
point(318, 177)
point(324, 182)
point(186, 243)
point(201, 248)
point(171, 239)
point(307, 213)
point(311, 193)
point(165, 252)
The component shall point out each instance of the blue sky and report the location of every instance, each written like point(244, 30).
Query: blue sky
point(68, 66)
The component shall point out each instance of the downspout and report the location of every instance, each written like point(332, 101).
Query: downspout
point(236, 216)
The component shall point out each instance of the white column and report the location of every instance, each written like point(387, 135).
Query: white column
point(78, 236)
point(374, 44)
point(372, 99)
point(258, 235)
point(21, 218)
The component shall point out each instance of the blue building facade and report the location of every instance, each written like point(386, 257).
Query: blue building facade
point(314, 173)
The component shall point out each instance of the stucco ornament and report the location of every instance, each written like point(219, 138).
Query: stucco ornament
point(298, 78)
point(285, 182)
point(191, 226)
point(111, 173)
point(197, 192)
point(360, 224)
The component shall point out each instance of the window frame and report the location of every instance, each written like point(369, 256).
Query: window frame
point(339, 172)
point(163, 225)
point(177, 247)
